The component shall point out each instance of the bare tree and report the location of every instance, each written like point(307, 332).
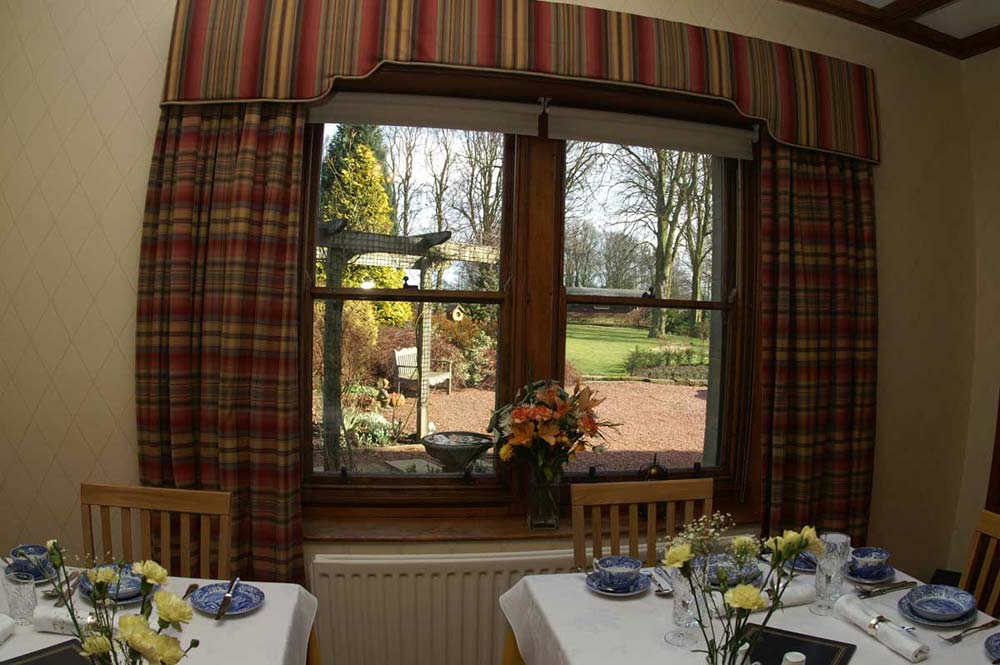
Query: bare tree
point(439, 159)
point(654, 188)
point(478, 198)
point(622, 258)
point(698, 227)
point(404, 191)
point(582, 253)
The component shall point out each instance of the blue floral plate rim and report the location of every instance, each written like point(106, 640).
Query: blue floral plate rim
point(246, 598)
point(904, 608)
point(37, 574)
point(992, 646)
point(641, 584)
point(890, 573)
point(122, 602)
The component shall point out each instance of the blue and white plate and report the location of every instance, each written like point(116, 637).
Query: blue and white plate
point(805, 563)
point(904, 608)
point(25, 567)
point(640, 585)
point(993, 646)
point(940, 602)
point(246, 598)
point(128, 586)
point(887, 576)
point(122, 602)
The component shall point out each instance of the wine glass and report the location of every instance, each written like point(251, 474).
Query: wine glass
point(830, 572)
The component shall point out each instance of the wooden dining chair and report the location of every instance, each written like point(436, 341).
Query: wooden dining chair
point(164, 504)
point(982, 568)
point(685, 494)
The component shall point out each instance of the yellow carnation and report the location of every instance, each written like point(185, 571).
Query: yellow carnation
point(168, 649)
point(134, 631)
point(506, 452)
point(96, 644)
point(793, 538)
point(678, 555)
point(171, 609)
point(811, 538)
point(775, 544)
point(102, 575)
point(745, 597)
point(151, 571)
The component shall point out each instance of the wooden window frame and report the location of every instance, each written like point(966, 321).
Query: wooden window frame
point(532, 191)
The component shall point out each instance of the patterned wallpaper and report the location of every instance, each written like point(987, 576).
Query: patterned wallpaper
point(79, 84)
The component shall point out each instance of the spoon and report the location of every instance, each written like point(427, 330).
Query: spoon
point(660, 589)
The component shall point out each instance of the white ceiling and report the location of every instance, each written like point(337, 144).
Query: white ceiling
point(877, 3)
point(964, 17)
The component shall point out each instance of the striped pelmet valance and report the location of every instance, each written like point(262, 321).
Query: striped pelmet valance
point(239, 50)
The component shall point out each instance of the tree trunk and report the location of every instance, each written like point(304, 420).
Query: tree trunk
point(333, 318)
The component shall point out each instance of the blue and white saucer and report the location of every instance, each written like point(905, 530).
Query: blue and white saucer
point(804, 563)
point(640, 585)
point(993, 646)
point(886, 576)
point(122, 602)
point(35, 573)
point(246, 598)
point(904, 608)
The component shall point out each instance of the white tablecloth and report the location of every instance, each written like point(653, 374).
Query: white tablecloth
point(558, 621)
point(276, 633)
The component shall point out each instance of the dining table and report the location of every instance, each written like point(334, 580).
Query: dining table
point(557, 620)
point(277, 633)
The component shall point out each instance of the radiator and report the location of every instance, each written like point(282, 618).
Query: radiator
point(419, 609)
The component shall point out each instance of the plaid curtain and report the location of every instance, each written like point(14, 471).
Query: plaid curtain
point(818, 338)
point(217, 330)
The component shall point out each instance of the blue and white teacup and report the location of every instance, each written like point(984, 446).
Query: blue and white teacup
point(617, 573)
point(869, 562)
point(32, 559)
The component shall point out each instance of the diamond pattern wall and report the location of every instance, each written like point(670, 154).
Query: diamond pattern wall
point(79, 87)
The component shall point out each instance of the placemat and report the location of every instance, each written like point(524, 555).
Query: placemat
point(775, 643)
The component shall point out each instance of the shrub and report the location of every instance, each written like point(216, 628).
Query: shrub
point(642, 359)
point(367, 428)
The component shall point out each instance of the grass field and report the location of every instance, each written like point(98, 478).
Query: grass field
point(601, 350)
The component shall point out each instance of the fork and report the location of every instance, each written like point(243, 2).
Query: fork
point(955, 639)
point(660, 589)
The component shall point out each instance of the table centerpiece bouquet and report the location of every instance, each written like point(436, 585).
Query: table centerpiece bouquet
point(111, 637)
point(713, 573)
point(545, 427)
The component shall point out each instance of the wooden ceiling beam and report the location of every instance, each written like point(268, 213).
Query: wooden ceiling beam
point(981, 42)
point(872, 17)
point(906, 10)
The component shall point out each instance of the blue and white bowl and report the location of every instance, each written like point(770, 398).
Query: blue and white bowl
point(723, 567)
point(938, 602)
point(869, 562)
point(993, 646)
point(128, 586)
point(617, 572)
point(910, 615)
point(32, 559)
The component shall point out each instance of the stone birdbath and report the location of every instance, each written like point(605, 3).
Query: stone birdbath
point(456, 450)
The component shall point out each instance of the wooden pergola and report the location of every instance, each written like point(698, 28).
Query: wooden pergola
point(424, 252)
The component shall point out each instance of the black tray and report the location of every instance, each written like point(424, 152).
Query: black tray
point(775, 643)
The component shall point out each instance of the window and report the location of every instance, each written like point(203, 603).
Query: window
point(407, 296)
point(459, 250)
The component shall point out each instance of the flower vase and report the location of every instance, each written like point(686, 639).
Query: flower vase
point(543, 500)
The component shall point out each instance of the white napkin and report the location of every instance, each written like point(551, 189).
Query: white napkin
point(796, 594)
point(49, 619)
point(853, 610)
point(6, 627)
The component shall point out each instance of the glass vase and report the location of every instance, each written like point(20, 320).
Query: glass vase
point(543, 500)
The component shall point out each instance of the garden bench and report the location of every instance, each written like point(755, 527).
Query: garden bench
point(407, 369)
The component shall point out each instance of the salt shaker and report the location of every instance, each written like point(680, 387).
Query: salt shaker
point(794, 658)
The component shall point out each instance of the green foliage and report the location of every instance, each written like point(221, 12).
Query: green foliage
point(367, 428)
point(640, 359)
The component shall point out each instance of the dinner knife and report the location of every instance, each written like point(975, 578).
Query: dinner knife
point(228, 598)
point(887, 589)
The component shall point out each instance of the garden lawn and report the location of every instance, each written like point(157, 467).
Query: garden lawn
point(601, 350)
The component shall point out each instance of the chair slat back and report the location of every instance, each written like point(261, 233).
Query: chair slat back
point(981, 575)
point(691, 494)
point(172, 507)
